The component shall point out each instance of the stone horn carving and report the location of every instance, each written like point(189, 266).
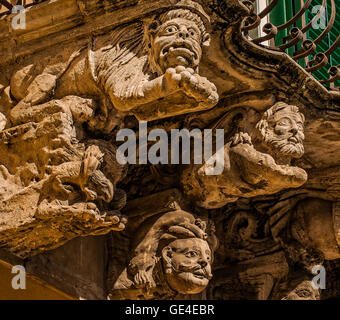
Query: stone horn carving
point(256, 163)
point(172, 257)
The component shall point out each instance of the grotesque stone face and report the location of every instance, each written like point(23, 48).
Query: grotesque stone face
point(282, 129)
point(187, 265)
point(304, 291)
point(177, 42)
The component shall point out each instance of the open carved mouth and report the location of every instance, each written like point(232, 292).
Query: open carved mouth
point(200, 274)
point(182, 48)
point(293, 140)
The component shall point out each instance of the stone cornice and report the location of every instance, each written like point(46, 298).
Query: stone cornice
point(54, 22)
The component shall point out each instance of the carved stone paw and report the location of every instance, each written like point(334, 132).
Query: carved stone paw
point(241, 137)
point(92, 159)
point(90, 194)
point(98, 187)
point(143, 279)
point(62, 188)
point(116, 218)
point(193, 84)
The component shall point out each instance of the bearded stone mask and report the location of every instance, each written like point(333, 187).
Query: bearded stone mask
point(281, 128)
point(176, 39)
point(187, 264)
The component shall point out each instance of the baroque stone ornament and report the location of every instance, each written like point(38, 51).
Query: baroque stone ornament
point(49, 176)
point(192, 215)
point(172, 257)
point(256, 162)
point(148, 69)
point(304, 291)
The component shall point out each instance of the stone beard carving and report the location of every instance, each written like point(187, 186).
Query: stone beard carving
point(281, 132)
point(253, 166)
point(173, 257)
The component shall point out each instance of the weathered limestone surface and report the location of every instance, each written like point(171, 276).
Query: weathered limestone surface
point(98, 229)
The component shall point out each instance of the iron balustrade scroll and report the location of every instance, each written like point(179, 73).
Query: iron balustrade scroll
point(295, 36)
point(298, 37)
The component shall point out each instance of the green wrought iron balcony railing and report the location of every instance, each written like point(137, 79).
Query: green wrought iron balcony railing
point(307, 30)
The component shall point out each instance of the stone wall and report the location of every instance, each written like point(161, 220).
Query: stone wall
point(250, 221)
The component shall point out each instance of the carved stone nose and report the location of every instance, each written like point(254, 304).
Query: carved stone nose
point(294, 130)
point(203, 263)
point(183, 34)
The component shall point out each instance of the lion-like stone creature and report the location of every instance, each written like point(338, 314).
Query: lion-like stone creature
point(54, 107)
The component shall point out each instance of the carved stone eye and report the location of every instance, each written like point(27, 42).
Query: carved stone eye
point(284, 122)
point(191, 254)
point(194, 34)
point(171, 29)
point(300, 126)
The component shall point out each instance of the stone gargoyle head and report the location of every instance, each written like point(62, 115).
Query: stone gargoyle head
point(176, 37)
point(281, 132)
point(173, 257)
point(151, 67)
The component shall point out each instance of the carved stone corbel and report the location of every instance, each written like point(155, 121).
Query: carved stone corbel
point(257, 158)
point(171, 254)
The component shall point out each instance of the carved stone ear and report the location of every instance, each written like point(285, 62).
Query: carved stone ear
point(167, 254)
point(206, 40)
point(262, 126)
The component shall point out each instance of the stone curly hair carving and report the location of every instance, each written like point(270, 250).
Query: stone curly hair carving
point(264, 123)
point(170, 227)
